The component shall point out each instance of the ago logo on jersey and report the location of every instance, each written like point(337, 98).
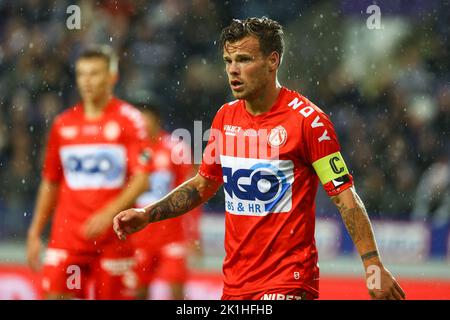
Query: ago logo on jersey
point(101, 166)
point(256, 186)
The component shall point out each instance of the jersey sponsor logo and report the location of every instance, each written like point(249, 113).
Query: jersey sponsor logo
point(68, 132)
point(277, 136)
point(94, 166)
point(257, 187)
point(111, 130)
point(307, 111)
point(324, 136)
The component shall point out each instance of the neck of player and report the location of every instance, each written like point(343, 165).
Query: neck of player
point(93, 109)
point(264, 100)
point(154, 134)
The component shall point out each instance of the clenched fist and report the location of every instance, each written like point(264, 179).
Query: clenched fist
point(129, 221)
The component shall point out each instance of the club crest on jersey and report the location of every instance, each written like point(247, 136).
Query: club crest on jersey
point(277, 136)
point(111, 130)
point(256, 186)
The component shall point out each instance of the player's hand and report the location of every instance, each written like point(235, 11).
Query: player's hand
point(96, 225)
point(389, 288)
point(129, 221)
point(34, 246)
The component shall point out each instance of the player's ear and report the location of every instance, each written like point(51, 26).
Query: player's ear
point(274, 61)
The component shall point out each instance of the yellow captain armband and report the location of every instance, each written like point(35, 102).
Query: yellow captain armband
point(330, 167)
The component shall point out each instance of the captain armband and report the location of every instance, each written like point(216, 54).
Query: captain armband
point(333, 174)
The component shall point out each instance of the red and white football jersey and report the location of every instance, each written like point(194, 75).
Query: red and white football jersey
point(92, 160)
point(270, 165)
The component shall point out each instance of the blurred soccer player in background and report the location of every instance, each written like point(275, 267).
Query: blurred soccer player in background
point(95, 164)
point(270, 203)
point(165, 256)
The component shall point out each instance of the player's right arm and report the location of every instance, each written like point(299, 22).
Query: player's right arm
point(46, 197)
point(323, 151)
point(45, 203)
point(186, 196)
point(182, 199)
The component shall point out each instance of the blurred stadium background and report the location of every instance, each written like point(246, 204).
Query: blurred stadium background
point(386, 89)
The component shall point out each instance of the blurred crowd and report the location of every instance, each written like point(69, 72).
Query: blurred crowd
point(386, 90)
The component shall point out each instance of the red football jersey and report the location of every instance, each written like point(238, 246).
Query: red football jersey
point(269, 166)
point(171, 166)
point(92, 160)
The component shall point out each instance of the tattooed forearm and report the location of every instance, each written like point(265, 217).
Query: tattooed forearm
point(356, 220)
point(176, 203)
point(358, 224)
point(351, 223)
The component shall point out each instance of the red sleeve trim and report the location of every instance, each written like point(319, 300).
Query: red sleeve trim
point(210, 177)
point(333, 190)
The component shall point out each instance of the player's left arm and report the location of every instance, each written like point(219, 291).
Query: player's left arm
point(357, 222)
point(322, 150)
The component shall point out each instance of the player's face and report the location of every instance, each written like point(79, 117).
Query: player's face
point(247, 68)
point(94, 80)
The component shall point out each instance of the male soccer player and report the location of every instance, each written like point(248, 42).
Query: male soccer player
point(165, 257)
point(269, 190)
point(95, 165)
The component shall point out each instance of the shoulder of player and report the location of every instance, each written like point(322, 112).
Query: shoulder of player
point(127, 111)
point(228, 106)
point(302, 108)
point(67, 116)
point(167, 142)
point(129, 114)
point(226, 109)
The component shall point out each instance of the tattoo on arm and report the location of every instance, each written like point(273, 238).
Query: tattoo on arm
point(176, 203)
point(369, 255)
point(349, 218)
point(356, 220)
point(358, 224)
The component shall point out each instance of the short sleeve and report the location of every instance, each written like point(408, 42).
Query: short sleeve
point(52, 168)
point(210, 167)
point(323, 152)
